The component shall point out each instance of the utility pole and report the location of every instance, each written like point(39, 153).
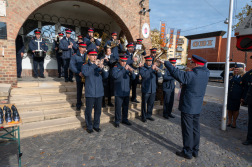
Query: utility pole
point(224, 109)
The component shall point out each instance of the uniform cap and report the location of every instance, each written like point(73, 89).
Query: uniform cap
point(92, 51)
point(199, 60)
point(82, 44)
point(148, 58)
point(173, 60)
point(113, 33)
point(68, 30)
point(238, 65)
point(90, 29)
point(60, 34)
point(37, 32)
point(124, 57)
point(131, 44)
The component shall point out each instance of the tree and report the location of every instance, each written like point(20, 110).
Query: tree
point(242, 15)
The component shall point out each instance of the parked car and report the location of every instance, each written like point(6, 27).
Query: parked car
point(180, 67)
point(216, 68)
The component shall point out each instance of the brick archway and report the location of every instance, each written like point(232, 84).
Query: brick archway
point(124, 12)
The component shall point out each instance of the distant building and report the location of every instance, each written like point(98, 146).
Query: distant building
point(181, 52)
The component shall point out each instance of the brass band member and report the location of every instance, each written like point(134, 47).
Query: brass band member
point(76, 63)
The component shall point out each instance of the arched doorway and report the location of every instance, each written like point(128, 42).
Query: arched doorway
point(121, 16)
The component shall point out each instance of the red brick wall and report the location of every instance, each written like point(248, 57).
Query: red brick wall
point(124, 12)
point(210, 54)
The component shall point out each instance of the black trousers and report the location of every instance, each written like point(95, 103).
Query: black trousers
point(121, 106)
point(79, 86)
point(190, 132)
point(249, 135)
point(66, 67)
point(134, 86)
point(149, 99)
point(90, 102)
point(168, 102)
point(60, 65)
point(38, 61)
point(19, 64)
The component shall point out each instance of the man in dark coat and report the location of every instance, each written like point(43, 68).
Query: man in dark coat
point(248, 89)
point(19, 54)
point(76, 63)
point(168, 91)
point(191, 102)
point(35, 44)
point(68, 47)
point(133, 81)
point(149, 73)
point(94, 73)
point(117, 49)
point(122, 74)
point(59, 54)
point(108, 83)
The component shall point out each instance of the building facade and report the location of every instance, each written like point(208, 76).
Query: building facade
point(180, 52)
point(52, 16)
point(212, 47)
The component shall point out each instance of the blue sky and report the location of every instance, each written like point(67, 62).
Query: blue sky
point(189, 14)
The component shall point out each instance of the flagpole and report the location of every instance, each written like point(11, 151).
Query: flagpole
point(224, 109)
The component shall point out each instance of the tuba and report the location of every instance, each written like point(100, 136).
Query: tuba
point(103, 37)
point(162, 54)
point(138, 55)
point(96, 35)
point(83, 78)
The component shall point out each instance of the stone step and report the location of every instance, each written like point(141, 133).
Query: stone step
point(44, 114)
point(28, 84)
point(47, 126)
point(37, 90)
point(52, 125)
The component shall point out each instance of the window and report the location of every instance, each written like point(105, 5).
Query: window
point(213, 66)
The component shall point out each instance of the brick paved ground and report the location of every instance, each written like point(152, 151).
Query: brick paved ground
point(143, 144)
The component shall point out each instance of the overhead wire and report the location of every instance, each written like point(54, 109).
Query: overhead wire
point(214, 8)
point(202, 26)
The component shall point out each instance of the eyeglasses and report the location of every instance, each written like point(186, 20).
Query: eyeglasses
point(191, 62)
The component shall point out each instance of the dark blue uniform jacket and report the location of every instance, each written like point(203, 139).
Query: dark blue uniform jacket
point(122, 80)
point(76, 63)
point(168, 81)
point(94, 76)
point(149, 77)
point(67, 52)
point(193, 88)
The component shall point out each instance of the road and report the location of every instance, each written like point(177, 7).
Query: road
point(214, 89)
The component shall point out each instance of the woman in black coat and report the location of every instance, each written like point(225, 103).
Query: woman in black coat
point(236, 94)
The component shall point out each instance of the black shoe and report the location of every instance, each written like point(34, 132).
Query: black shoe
point(59, 76)
point(246, 143)
point(116, 125)
point(171, 116)
point(97, 129)
point(156, 99)
point(78, 108)
point(66, 80)
point(90, 131)
point(35, 76)
point(144, 120)
point(42, 76)
point(127, 123)
point(70, 80)
point(195, 154)
point(151, 119)
point(110, 104)
point(19, 76)
point(135, 100)
point(166, 117)
point(183, 155)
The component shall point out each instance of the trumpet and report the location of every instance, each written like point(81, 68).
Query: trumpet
point(136, 72)
point(162, 71)
point(101, 63)
point(96, 35)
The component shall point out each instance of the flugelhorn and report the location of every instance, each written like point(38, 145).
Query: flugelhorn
point(105, 67)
